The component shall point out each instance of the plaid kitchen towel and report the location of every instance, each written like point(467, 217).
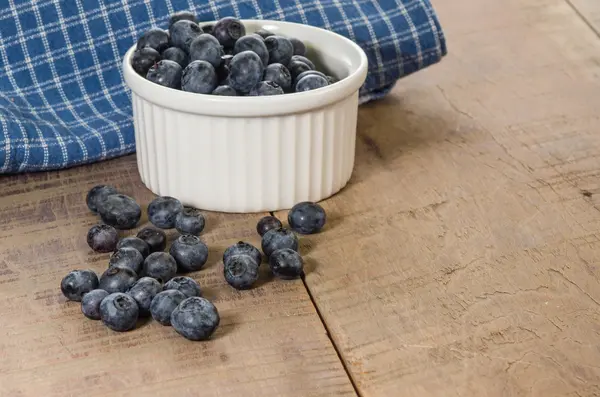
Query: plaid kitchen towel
point(63, 100)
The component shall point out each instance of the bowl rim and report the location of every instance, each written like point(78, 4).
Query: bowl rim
point(243, 106)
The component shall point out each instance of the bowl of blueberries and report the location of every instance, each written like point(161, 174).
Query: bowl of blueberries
point(244, 115)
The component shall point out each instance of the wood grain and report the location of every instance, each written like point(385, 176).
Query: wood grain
point(270, 341)
point(463, 258)
point(589, 11)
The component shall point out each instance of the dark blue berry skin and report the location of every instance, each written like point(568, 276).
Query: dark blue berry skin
point(208, 29)
point(117, 279)
point(90, 303)
point(331, 80)
point(296, 68)
point(97, 195)
point(143, 291)
point(264, 33)
point(258, 37)
point(245, 71)
point(241, 271)
point(228, 30)
point(280, 49)
point(166, 73)
point(267, 223)
point(224, 90)
point(188, 286)
point(305, 60)
point(102, 238)
point(286, 264)
point(119, 312)
point(254, 44)
point(311, 82)
point(189, 252)
point(266, 88)
point(162, 211)
point(309, 72)
point(155, 38)
point(190, 221)
point(127, 257)
point(307, 218)
point(142, 60)
point(164, 303)
point(278, 74)
point(206, 48)
point(161, 266)
point(299, 47)
point(242, 248)
point(183, 32)
point(223, 70)
point(199, 77)
point(176, 54)
point(182, 15)
point(280, 238)
point(120, 211)
point(195, 318)
point(136, 243)
point(77, 283)
point(155, 238)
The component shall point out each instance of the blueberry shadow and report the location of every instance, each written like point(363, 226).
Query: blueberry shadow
point(310, 265)
point(211, 222)
point(143, 321)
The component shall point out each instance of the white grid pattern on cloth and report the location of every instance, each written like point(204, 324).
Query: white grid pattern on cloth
point(62, 97)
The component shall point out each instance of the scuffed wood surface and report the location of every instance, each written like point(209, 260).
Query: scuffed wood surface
point(270, 342)
point(589, 11)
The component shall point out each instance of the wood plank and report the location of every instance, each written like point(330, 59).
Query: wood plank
point(590, 11)
point(270, 341)
point(463, 258)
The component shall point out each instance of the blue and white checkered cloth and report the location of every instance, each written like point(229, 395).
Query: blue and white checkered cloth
point(63, 100)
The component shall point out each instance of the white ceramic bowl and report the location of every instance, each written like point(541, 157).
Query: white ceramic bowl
point(252, 154)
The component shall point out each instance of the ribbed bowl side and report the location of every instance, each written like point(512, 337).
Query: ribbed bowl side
point(246, 164)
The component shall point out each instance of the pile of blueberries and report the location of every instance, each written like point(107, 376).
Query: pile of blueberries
point(141, 279)
point(221, 59)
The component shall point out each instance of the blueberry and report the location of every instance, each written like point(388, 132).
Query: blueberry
point(155, 238)
point(228, 30)
point(183, 32)
point(189, 252)
point(254, 44)
point(164, 303)
point(176, 54)
point(331, 80)
point(311, 82)
point(240, 271)
point(267, 223)
point(187, 285)
point(305, 60)
point(182, 16)
point(102, 238)
point(276, 239)
point(286, 264)
point(245, 71)
point(142, 60)
point(189, 221)
point(136, 243)
point(279, 74)
point(97, 195)
point(120, 211)
point(244, 249)
point(264, 33)
point(296, 68)
point(258, 37)
point(266, 88)
point(280, 49)
point(308, 73)
point(299, 47)
point(195, 318)
point(199, 77)
point(206, 48)
point(127, 257)
point(90, 303)
point(117, 279)
point(307, 217)
point(143, 291)
point(162, 211)
point(208, 29)
point(223, 70)
point(155, 38)
point(119, 312)
point(77, 283)
point(166, 73)
point(224, 90)
point(160, 265)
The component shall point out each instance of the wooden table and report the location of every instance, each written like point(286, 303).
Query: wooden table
point(461, 260)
